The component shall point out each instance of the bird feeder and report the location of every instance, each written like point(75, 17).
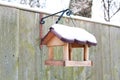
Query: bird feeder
point(69, 38)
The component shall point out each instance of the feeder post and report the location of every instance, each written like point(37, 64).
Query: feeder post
point(70, 52)
point(50, 53)
point(86, 52)
point(66, 52)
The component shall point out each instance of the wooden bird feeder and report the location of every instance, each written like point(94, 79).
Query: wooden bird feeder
point(69, 38)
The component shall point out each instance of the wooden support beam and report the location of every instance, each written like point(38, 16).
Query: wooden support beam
point(66, 52)
point(78, 63)
point(86, 52)
point(50, 53)
point(55, 63)
point(70, 52)
point(68, 63)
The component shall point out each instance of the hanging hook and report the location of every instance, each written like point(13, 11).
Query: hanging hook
point(68, 13)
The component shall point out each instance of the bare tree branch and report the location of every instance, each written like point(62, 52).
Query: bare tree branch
point(109, 9)
point(115, 12)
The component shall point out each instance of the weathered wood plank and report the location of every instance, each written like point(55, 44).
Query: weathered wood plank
point(115, 50)
point(97, 63)
point(90, 71)
point(27, 46)
point(106, 55)
point(8, 43)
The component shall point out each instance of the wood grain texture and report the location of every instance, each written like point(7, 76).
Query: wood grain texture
point(8, 43)
point(22, 59)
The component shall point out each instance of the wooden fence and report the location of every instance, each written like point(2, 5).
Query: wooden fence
point(22, 59)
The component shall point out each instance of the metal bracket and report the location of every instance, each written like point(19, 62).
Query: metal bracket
point(68, 13)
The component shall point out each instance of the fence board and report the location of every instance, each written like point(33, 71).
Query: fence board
point(106, 55)
point(114, 50)
point(28, 45)
point(8, 44)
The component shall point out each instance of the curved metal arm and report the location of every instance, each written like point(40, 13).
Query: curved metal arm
point(68, 13)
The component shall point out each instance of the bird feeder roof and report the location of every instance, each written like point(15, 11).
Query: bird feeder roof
point(70, 35)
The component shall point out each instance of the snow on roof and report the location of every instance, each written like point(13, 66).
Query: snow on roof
point(73, 34)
